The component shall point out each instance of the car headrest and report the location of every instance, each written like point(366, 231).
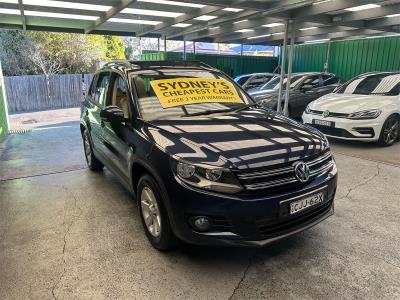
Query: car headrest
point(141, 87)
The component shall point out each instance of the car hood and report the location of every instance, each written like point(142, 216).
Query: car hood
point(348, 103)
point(248, 139)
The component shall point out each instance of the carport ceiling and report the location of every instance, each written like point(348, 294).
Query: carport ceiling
point(224, 21)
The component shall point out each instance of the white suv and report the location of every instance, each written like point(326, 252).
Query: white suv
point(366, 108)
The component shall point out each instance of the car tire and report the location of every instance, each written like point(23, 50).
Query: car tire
point(390, 131)
point(93, 163)
point(153, 214)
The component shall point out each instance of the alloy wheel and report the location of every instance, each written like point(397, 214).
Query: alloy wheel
point(151, 212)
point(391, 131)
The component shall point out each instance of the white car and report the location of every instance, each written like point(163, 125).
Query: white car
point(366, 108)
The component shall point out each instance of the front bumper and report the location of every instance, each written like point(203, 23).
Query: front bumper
point(246, 220)
point(348, 129)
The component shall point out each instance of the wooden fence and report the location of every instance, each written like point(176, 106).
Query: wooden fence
point(38, 92)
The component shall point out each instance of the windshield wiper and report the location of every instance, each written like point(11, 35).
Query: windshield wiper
point(245, 107)
point(206, 112)
point(209, 111)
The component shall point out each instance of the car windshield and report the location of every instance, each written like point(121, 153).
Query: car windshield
point(180, 93)
point(387, 84)
point(273, 84)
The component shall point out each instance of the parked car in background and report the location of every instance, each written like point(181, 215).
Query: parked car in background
point(250, 81)
point(366, 108)
point(304, 88)
point(207, 165)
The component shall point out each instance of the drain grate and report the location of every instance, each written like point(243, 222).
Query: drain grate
point(19, 131)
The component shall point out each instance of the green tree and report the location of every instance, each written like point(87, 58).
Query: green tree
point(13, 53)
point(48, 53)
point(115, 47)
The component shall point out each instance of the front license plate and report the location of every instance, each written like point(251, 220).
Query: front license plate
point(306, 202)
point(324, 123)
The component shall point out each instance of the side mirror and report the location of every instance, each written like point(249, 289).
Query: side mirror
point(112, 114)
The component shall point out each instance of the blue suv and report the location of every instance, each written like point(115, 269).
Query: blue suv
point(207, 165)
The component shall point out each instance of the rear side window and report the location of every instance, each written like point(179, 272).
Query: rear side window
point(242, 80)
point(259, 80)
point(92, 86)
point(100, 92)
point(328, 80)
point(315, 81)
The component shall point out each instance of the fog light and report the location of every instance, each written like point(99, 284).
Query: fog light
point(201, 223)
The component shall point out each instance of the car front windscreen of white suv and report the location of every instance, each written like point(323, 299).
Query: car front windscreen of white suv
point(385, 84)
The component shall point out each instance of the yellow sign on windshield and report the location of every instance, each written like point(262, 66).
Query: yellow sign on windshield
point(182, 91)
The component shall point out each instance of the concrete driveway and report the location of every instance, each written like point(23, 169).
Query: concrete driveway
point(68, 233)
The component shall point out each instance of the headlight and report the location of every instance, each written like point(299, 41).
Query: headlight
point(206, 177)
point(308, 110)
point(185, 170)
point(366, 114)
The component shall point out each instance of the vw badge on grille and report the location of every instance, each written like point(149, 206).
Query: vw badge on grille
point(326, 113)
point(302, 172)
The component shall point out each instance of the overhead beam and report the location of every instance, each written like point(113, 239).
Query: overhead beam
point(351, 19)
point(366, 14)
point(262, 6)
point(109, 14)
point(383, 22)
point(231, 27)
point(311, 34)
point(181, 19)
point(264, 10)
point(340, 35)
point(327, 7)
point(304, 10)
point(224, 20)
point(23, 18)
point(331, 32)
point(355, 33)
point(262, 31)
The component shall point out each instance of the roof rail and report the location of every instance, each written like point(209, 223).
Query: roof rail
point(144, 64)
point(118, 62)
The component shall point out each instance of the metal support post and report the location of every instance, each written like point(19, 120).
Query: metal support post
point(283, 64)
point(184, 49)
point(289, 73)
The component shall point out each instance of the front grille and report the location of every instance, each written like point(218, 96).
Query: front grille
point(270, 230)
point(332, 131)
point(331, 114)
point(284, 176)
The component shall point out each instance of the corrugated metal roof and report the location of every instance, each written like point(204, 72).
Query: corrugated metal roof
point(229, 21)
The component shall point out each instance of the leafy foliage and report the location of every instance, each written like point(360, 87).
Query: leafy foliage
point(48, 53)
